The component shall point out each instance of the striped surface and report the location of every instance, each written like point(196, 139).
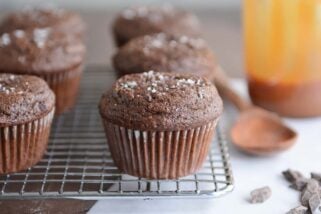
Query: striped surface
point(22, 146)
point(159, 155)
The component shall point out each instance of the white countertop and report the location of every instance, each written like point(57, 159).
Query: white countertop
point(249, 173)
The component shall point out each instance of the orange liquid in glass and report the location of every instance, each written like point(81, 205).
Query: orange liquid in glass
point(283, 55)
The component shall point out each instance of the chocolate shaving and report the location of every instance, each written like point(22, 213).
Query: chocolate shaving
point(310, 191)
point(260, 195)
point(311, 188)
point(316, 176)
point(314, 202)
point(292, 175)
point(299, 184)
point(298, 210)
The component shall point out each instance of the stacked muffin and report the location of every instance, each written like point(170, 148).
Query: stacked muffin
point(46, 43)
point(161, 115)
point(46, 17)
point(143, 20)
point(38, 47)
point(165, 53)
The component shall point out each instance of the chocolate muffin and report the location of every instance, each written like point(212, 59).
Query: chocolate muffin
point(165, 53)
point(26, 112)
point(49, 54)
point(144, 20)
point(160, 125)
point(49, 17)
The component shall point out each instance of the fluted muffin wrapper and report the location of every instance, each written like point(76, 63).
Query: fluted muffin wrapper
point(23, 145)
point(159, 154)
point(65, 85)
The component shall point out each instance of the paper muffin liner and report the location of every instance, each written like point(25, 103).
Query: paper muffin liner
point(159, 154)
point(65, 85)
point(23, 145)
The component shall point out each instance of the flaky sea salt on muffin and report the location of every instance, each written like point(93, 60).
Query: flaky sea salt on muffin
point(26, 112)
point(44, 17)
point(165, 53)
point(143, 20)
point(160, 125)
point(49, 54)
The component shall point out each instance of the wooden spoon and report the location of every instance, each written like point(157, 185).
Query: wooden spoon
point(256, 131)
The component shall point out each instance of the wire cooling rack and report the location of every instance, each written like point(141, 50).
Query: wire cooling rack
point(78, 163)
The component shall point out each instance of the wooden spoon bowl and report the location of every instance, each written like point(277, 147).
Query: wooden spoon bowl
point(256, 131)
point(260, 132)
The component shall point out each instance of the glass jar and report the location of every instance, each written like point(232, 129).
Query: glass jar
point(283, 55)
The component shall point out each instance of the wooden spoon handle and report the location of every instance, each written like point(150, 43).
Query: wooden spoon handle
point(222, 83)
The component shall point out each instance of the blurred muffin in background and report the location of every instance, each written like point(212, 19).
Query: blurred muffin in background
point(52, 55)
point(144, 20)
point(44, 17)
point(165, 53)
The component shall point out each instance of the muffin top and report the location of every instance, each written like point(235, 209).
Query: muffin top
point(32, 18)
point(39, 50)
point(161, 101)
point(165, 53)
point(23, 98)
point(143, 20)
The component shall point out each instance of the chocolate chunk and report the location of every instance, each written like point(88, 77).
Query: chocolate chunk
point(316, 176)
point(311, 188)
point(299, 184)
point(298, 210)
point(292, 175)
point(314, 202)
point(260, 195)
point(313, 185)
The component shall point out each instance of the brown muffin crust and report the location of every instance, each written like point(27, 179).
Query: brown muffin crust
point(23, 98)
point(32, 18)
point(161, 101)
point(143, 20)
point(165, 53)
point(39, 50)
